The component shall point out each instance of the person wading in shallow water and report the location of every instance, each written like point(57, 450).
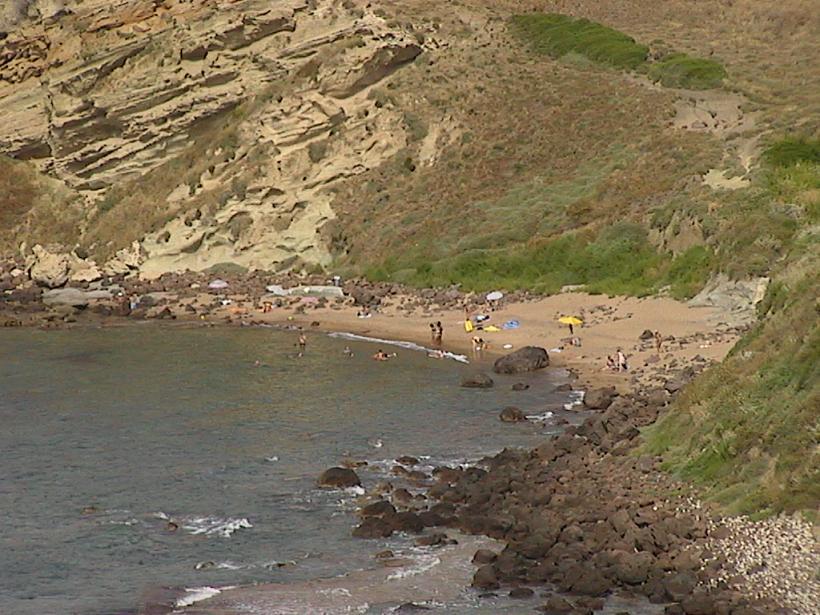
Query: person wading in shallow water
point(302, 342)
point(439, 334)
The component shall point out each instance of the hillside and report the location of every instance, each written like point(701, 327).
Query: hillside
point(628, 147)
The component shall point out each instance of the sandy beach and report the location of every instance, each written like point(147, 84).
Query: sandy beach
point(691, 334)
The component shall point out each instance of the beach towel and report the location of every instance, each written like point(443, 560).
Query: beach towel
point(468, 326)
point(492, 328)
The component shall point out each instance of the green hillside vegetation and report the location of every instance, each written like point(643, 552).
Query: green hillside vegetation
point(560, 35)
point(747, 430)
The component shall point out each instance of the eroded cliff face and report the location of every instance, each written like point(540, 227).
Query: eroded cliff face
point(208, 131)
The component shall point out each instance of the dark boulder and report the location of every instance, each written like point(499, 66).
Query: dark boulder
point(600, 399)
point(521, 592)
point(511, 414)
point(633, 568)
point(485, 578)
point(527, 359)
point(406, 522)
point(484, 556)
point(340, 478)
point(587, 581)
point(378, 509)
point(373, 527)
point(477, 381)
point(557, 604)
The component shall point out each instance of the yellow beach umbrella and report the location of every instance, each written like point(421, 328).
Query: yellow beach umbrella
point(570, 320)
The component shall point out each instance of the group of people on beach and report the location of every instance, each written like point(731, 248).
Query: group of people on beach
point(617, 362)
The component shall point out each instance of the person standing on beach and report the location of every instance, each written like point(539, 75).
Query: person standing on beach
point(621, 359)
point(433, 332)
point(439, 333)
point(658, 341)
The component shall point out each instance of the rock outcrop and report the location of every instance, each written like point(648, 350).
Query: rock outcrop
point(207, 135)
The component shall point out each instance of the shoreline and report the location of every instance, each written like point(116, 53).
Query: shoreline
point(700, 334)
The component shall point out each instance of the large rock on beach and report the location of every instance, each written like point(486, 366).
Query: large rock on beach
point(48, 269)
point(527, 359)
point(477, 381)
point(339, 478)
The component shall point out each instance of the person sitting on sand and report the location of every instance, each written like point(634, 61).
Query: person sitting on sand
point(478, 344)
point(610, 363)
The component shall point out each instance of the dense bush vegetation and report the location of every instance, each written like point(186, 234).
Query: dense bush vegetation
point(682, 71)
point(558, 35)
point(618, 260)
point(563, 36)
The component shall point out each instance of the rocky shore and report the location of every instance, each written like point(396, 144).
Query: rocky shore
point(584, 517)
point(55, 289)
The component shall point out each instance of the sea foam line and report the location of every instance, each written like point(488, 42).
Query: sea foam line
point(353, 337)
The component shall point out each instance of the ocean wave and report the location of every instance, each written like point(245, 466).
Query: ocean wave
point(353, 337)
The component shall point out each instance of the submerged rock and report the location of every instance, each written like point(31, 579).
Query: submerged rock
point(512, 414)
point(477, 381)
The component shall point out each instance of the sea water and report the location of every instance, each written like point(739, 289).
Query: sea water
point(111, 438)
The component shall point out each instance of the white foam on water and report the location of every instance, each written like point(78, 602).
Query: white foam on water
point(198, 594)
point(576, 398)
point(272, 459)
point(215, 526)
point(422, 565)
point(544, 416)
point(406, 345)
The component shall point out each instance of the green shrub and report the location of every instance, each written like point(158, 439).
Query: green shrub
point(792, 151)
point(682, 71)
point(689, 272)
point(558, 35)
